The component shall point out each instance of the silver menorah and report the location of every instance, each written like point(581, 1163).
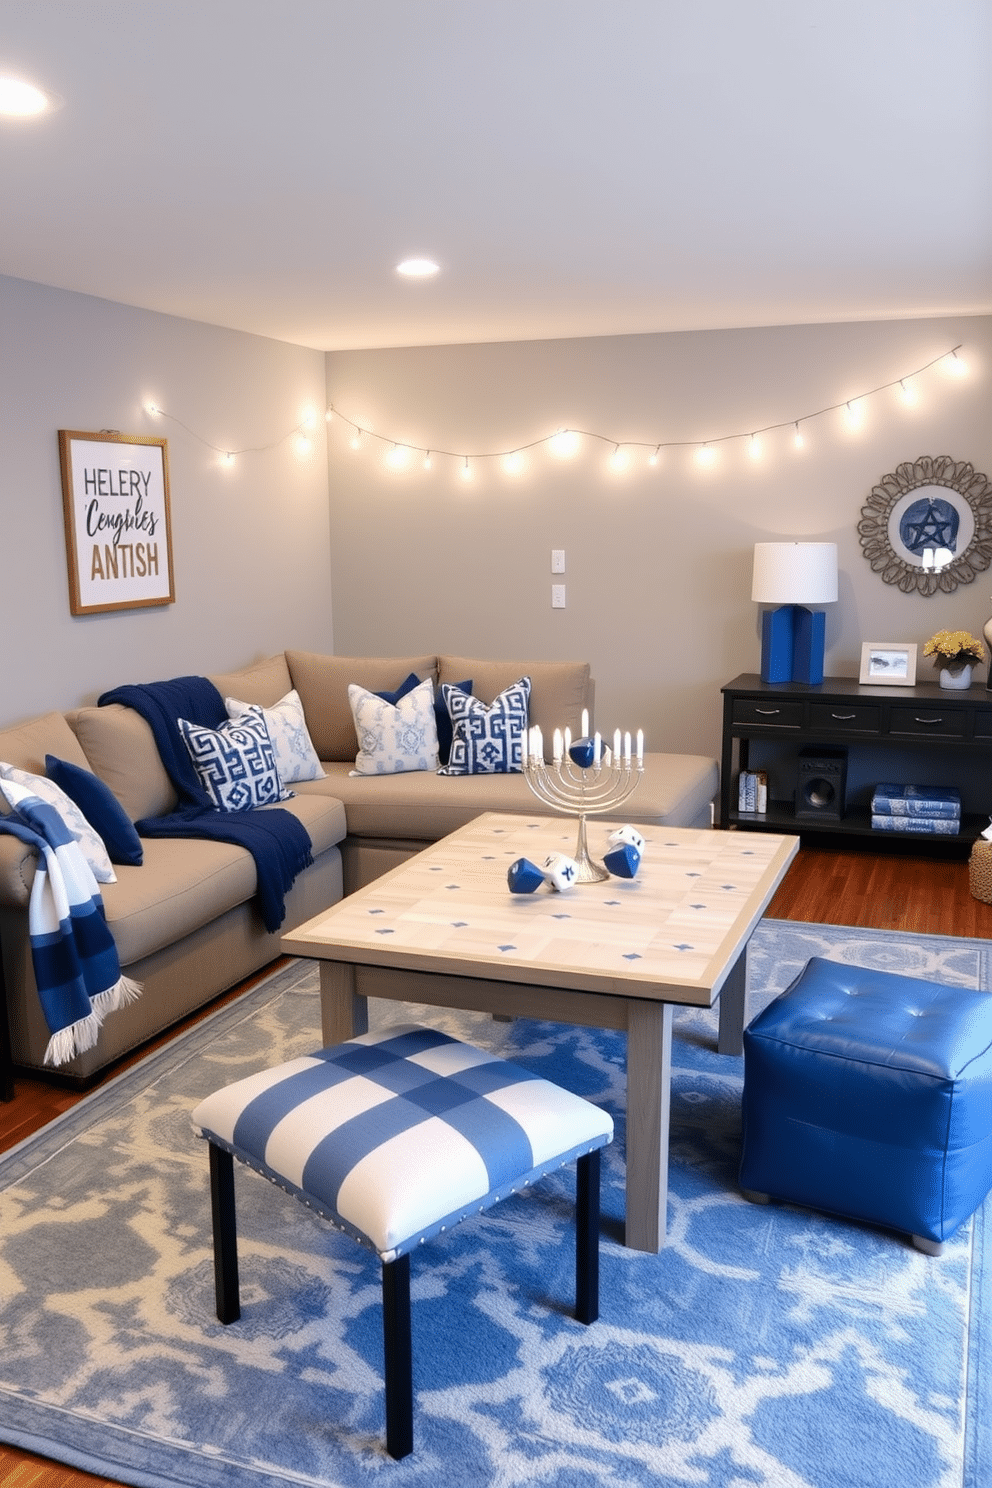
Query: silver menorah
point(584, 778)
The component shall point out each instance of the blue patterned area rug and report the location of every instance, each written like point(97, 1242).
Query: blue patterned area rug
point(764, 1346)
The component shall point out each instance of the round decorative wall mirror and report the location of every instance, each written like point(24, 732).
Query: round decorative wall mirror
point(928, 526)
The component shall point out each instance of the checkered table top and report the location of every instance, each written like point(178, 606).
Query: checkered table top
point(401, 1133)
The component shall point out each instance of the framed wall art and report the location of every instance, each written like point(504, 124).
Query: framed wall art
point(118, 531)
point(888, 663)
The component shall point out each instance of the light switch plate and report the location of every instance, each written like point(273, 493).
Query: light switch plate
point(557, 596)
point(557, 560)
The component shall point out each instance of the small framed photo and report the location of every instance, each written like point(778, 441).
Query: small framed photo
point(888, 663)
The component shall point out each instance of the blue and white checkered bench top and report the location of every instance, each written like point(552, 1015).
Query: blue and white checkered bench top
point(401, 1133)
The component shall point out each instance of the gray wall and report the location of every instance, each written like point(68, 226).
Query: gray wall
point(250, 544)
point(658, 561)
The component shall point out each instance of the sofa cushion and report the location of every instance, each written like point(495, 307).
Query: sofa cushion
point(100, 807)
point(186, 883)
point(323, 681)
point(296, 758)
point(264, 682)
point(675, 790)
point(120, 748)
point(26, 744)
point(486, 739)
point(394, 737)
point(235, 763)
point(559, 689)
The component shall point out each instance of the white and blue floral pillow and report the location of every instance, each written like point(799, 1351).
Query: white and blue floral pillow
point(90, 842)
point(296, 758)
point(394, 737)
point(487, 740)
point(235, 763)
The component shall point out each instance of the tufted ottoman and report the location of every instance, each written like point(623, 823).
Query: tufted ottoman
point(395, 1136)
point(869, 1094)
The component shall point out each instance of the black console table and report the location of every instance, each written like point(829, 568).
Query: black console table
point(909, 735)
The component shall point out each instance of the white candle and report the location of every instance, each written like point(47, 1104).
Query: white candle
point(585, 723)
point(557, 743)
point(640, 746)
point(568, 740)
point(538, 744)
point(597, 750)
point(626, 748)
point(616, 744)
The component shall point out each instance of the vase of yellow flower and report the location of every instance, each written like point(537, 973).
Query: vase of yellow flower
point(955, 653)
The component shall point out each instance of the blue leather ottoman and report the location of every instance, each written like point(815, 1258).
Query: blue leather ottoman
point(869, 1095)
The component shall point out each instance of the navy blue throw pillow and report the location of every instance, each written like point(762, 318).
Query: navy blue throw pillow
point(101, 809)
point(393, 697)
point(443, 718)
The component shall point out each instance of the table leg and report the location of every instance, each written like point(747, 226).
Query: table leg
point(343, 1011)
point(730, 1039)
point(649, 1092)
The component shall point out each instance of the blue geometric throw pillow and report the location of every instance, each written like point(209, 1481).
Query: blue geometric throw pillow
point(486, 740)
point(235, 762)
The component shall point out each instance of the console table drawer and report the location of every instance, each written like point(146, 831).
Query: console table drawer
point(858, 718)
point(983, 723)
point(768, 714)
point(922, 721)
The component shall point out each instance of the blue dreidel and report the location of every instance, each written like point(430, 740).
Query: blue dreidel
point(623, 860)
point(627, 834)
point(582, 753)
point(523, 877)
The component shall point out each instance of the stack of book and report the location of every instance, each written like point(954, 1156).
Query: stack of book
point(916, 808)
point(752, 790)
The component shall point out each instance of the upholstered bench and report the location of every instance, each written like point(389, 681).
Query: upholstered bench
point(869, 1094)
point(395, 1136)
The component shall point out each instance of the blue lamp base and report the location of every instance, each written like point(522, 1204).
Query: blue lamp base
point(792, 643)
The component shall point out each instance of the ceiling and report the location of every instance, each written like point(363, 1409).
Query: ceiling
point(577, 167)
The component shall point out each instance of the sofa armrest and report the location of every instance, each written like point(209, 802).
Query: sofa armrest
point(18, 861)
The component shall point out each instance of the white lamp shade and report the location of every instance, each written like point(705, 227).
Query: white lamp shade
point(794, 573)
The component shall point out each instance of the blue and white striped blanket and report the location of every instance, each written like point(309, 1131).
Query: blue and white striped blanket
point(72, 949)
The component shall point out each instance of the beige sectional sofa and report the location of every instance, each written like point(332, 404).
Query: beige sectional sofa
point(185, 923)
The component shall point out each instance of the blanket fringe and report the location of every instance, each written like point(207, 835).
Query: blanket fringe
point(82, 1035)
point(75, 1039)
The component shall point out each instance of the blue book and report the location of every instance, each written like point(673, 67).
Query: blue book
point(941, 826)
point(917, 800)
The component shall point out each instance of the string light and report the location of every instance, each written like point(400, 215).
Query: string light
point(299, 433)
point(565, 443)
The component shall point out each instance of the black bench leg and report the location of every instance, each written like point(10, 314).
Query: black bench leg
point(587, 1237)
point(398, 1355)
point(225, 1234)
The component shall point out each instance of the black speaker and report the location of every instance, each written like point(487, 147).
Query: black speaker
point(821, 783)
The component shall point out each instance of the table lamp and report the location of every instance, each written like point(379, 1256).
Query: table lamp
point(792, 576)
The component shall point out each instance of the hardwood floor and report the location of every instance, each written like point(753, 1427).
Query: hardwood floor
point(827, 887)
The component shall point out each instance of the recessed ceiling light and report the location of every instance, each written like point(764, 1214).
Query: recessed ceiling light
point(417, 268)
point(22, 100)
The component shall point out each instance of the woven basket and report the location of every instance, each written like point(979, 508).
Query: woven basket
point(980, 871)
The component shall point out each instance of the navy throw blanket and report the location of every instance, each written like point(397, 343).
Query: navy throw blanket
point(279, 843)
